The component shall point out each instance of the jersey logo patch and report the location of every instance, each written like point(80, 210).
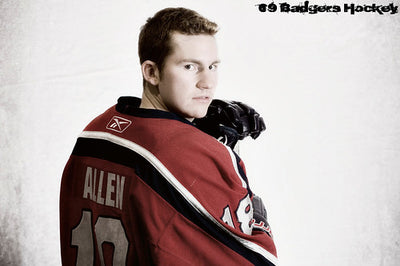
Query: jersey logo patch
point(118, 124)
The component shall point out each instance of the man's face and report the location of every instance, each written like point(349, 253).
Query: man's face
point(189, 75)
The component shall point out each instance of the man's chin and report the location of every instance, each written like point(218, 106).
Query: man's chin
point(200, 114)
point(194, 113)
point(195, 116)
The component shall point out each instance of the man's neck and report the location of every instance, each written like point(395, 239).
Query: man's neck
point(152, 100)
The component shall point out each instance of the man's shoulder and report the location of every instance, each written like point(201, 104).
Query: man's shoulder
point(127, 120)
point(156, 130)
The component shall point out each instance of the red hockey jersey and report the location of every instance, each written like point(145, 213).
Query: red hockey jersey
point(146, 187)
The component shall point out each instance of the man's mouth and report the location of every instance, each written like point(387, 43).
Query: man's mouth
point(205, 99)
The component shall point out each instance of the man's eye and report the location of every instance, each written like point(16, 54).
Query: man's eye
point(213, 67)
point(190, 67)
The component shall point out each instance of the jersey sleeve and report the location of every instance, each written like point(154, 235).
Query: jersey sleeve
point(211, 177)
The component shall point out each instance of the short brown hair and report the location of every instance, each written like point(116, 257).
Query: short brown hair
point(155, 35)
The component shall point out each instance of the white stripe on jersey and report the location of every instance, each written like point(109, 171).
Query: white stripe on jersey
point(178, 186)
point(235, 163)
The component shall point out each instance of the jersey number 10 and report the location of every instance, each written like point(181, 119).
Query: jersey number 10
point(106, 230)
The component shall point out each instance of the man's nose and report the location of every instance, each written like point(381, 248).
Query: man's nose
point(207, 80)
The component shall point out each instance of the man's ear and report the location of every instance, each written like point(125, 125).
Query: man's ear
point(151, 72)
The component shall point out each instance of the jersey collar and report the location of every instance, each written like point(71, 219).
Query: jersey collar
point(130, 105)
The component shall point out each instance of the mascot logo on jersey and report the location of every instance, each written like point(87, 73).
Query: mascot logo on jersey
point(118, 124)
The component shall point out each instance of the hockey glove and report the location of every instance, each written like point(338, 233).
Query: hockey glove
point(260, 216)
point(259, 211)
point(230, 121)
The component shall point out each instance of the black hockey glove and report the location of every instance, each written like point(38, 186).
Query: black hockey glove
point(259, 211)
point(230, 121)
point(260, 216)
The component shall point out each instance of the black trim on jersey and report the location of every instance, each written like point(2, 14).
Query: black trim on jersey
point(129, 105)
point(112, 152)
point(242, 174)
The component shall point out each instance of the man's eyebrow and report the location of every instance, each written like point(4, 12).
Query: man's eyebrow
point(197, 61)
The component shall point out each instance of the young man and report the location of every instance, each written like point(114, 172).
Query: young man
point(145, 186)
